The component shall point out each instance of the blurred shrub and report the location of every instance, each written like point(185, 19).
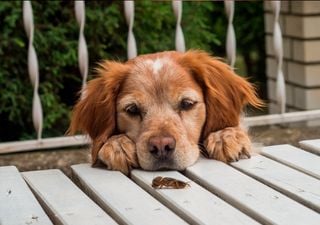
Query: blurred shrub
point(56, 41)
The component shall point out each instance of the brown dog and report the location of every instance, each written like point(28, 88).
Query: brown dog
point(155, 110)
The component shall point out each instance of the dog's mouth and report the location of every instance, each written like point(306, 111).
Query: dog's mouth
point(165, 164)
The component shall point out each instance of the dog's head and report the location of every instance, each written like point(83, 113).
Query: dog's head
point(165, 103)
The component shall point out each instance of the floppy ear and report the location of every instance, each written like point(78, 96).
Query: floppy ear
point(225, 92)
point(95, 112)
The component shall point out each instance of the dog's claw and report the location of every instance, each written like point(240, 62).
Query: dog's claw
point(246, 153)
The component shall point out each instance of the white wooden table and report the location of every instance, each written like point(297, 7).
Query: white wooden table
point(280, 186)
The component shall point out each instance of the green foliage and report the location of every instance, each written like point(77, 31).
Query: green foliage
point(56, 42)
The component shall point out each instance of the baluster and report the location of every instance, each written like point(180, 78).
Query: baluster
point(278, 50)
point(33, 69)
point(129, 14)
point(231, 37)
point(83, 61)
point(179, 41)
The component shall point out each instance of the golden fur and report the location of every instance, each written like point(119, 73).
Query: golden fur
point(147, 98)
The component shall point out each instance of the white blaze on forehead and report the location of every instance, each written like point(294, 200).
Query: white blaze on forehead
point(157, 64)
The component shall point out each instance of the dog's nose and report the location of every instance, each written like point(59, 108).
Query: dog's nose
point(162, 147)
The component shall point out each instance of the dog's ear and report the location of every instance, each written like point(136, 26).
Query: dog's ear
point(225, 92)
point(95, 112)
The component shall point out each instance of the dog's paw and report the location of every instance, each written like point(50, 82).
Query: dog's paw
point(228, 145)
point(119, 153)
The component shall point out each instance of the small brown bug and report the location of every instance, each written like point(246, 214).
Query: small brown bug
point(168, 182)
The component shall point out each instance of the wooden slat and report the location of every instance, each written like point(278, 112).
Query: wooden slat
point(297, 185)
point(46, 143)
point(295, 158)
point(17, 203)
point(194, 203)
point(311, 146)
point(122, 198)
point(283, 118)
point(252, 197)
point(63, 200)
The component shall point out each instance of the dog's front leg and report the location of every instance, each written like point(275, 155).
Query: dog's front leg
point(119, 153)
point(228, 145)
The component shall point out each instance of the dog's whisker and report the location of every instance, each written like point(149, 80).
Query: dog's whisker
point(202, 147)
point(203, 150)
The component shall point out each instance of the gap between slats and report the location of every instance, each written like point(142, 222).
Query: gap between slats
point(308, 202)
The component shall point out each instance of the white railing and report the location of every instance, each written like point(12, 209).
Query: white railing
point(33, 69)
point(278, 49)
point(83, 60)
point(129, 14)
point(231, 37)
point(179, 40)
point(56, 142)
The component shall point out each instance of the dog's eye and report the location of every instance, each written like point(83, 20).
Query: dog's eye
point(133, 110)
point(187, 104)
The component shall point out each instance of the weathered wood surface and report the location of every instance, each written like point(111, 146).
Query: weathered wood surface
point(297, 185)
point(17, 204)
point(281, 186)
point(295, 158)
point(311, 146)
point(122, 198)
point(46, 143)
point(64, 202)
point(288, 117)
point(195, 204)
point(252, 197)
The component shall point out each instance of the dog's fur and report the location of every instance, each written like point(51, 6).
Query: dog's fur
point(185, 100)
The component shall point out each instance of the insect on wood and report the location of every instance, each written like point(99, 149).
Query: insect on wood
point(168, 182)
